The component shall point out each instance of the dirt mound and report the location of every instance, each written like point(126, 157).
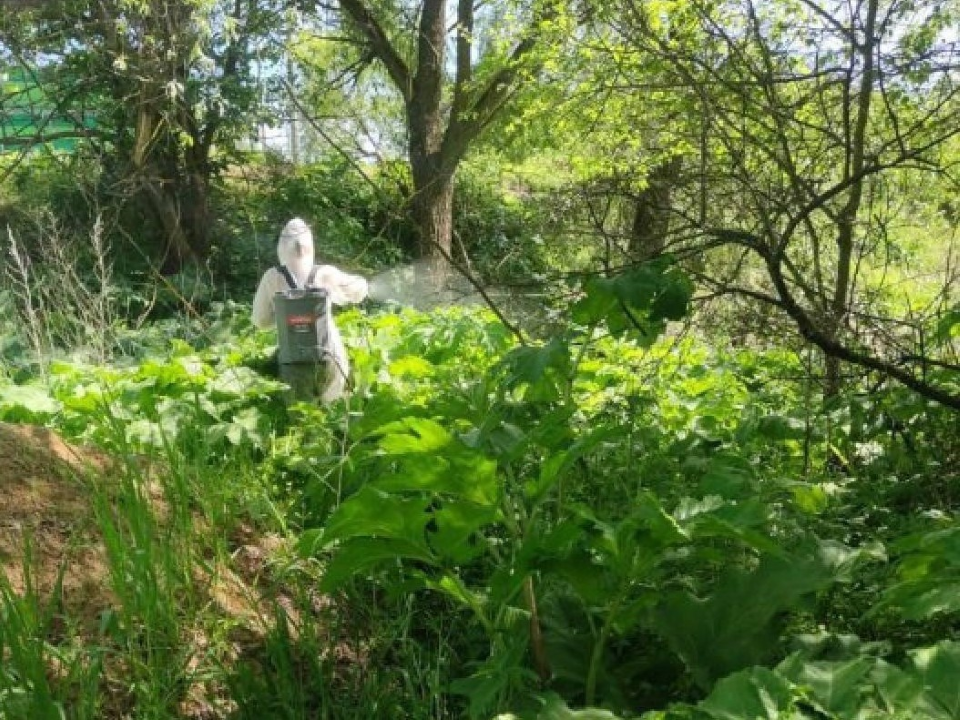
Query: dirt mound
point(49, 534)
point(51, 546)
point(46, 522)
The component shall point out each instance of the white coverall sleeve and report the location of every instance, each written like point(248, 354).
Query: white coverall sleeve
point(262, 315)
point(343, 287)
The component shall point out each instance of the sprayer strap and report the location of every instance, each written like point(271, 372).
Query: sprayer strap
point(288, 276)
point(292, 281)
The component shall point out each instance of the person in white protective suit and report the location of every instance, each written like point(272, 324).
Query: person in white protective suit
point(297, 269)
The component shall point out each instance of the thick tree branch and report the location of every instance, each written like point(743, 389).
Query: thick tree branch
point(469, 122)
point(465, 23)
point(832, 347)
point(380, 44)
point(428, 79)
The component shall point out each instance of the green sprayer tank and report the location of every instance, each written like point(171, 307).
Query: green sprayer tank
point(302, 339)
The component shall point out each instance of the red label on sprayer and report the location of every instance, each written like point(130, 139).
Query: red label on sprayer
point(297, 320)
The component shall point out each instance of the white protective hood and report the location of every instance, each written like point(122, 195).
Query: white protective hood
point(295, 249)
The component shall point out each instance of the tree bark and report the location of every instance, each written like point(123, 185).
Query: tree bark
point(432, 206)
point(432, 200)
point(178, 192)
point(651, 211)
point(195, 216)
point(177, 251)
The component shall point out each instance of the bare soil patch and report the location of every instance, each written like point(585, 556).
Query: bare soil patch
point(47, 534)
point(50, 545)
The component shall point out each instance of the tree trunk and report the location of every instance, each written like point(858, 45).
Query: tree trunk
point(651, 216)
point(432, 202)
point(184, 215)
point(177, 250)
point(195, 213)
point(853, 170)
point(432, 206)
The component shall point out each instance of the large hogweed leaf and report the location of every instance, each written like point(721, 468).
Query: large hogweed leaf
point(938, 668)
point(425, 457)
point(428, 498)
point(739, 623)
point(859, 687)
point(928, 574)
point(864, 686)
point(19, 403)
point(839, 688)
point(754, 694)
point(554, 708)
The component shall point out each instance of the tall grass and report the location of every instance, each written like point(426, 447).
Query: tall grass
point(164, 520)
point(44, 673)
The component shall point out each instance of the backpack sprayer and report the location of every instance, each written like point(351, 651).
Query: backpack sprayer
point(302, 338)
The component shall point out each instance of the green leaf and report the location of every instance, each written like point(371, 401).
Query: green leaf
point(241, 381)
point(359, 554)
point(673, 299)
point(412, 366)
point(555, 708)
point(860, 687)
point(452, 534)
point(742, 520)
point(636, 544)
point(500, 674)
point(245, 427)
point(542, 548)
point(656, 521)
point(540, 372)
point(23, 402)
point(375, 514)
point(929, 575)
point(590, 579)
point(899, 691)
point(413, 435)
point(726, 474)
point(738, 625)
point(938, 667)
point(948, 326)
point(839, 688)
point(918, 601)
point(453, 587)
point(638, 301)
point(812, 498)
point(754, 694)
point(557, 464)
point(778, 427)
point(457, 471)
point(310, 542)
